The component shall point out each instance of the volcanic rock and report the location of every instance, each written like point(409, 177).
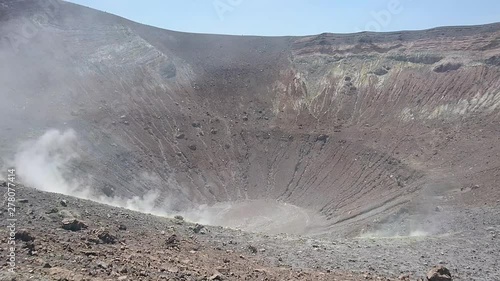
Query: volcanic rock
point(73, 224)
point(439, 273)
point(24, 235)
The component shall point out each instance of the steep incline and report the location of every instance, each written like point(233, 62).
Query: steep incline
point(348, 126)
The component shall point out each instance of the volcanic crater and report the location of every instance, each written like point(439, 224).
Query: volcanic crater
point(334, 135)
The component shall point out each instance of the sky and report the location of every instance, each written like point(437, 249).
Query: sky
point(299, 17)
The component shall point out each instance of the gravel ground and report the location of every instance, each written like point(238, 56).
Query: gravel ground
point(142, 251)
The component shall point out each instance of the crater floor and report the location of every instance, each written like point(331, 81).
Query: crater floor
point(266, 216)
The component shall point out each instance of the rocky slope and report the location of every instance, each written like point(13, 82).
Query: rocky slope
point(63, 238)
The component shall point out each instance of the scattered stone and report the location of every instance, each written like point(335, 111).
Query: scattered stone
point(322, 138)
point(52, 211)
point(106, 237)
point(446, 67)
point(179, 217)
point(172, 241)
point(180, 136)
point(222, 270)
point(252, 249)
point(102, 264)
point(198, 227)
point(73, 224)
point(89, 253)
point(22, 200)
point(216, 276)
point(213, 131)
point(24, 235)
point(439, 273)
point(403, 277)
point(192, 147)
point(64, 203)
point(59, 273)
point(47, 265)
point(123, 269)
point(30, 245)
point(122, 227)
point(196, 124)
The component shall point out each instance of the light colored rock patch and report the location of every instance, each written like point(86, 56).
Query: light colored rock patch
point(486, 103)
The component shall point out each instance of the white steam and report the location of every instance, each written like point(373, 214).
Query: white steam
point(48, 163)
point(45, 164)
point(148, 203)
point(42, 163)
point(393, 234)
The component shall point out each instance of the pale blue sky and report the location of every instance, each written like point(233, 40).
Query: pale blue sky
point(299, 17)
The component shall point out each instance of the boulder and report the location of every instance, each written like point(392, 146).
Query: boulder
point(197, 228)
point(64, 203)
point(439, 273)
point(106, 237)
point(24, 235)
point(73, 224)
point(172, 241)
